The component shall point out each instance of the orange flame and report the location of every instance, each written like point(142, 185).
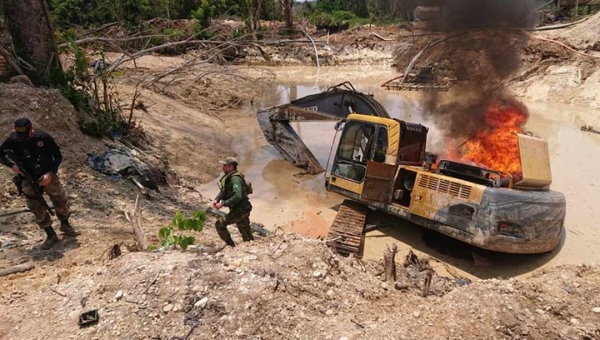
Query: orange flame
point(496, 147)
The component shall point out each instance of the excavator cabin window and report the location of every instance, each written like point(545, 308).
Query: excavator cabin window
point(360, 143)
point(380, 146)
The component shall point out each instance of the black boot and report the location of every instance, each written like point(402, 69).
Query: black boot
point(230, 242)
point(51, 239)
point(66, 228)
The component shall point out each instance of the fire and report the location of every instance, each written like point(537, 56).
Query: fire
point(496, 147)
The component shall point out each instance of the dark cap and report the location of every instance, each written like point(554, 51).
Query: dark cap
point(22, 127)
point(230, 161)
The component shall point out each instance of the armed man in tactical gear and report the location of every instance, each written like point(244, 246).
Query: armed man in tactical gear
point(34, 157)
point(234, 195)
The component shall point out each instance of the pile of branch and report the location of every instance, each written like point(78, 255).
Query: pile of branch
point(424, 272)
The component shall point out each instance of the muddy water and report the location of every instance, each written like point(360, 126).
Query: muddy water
point(285, 198)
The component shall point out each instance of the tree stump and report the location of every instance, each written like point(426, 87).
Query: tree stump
point(389, 263)
point(114, 252)
point(138, 231)
point(427, 283)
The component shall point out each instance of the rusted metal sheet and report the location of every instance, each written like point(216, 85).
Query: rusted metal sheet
point(379, 181)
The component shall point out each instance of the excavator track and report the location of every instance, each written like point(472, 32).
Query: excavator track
point(346, 233)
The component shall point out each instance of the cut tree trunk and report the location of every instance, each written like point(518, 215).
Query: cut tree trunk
point(141, 244)
point(389, 263)
point(289, 19)
point(33, 38)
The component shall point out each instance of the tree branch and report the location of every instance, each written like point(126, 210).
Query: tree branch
point(10, 60)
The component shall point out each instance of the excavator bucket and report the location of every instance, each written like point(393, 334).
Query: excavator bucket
point(535, 162)
point(282, 136)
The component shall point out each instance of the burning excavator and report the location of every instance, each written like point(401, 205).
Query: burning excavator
point(494, 195)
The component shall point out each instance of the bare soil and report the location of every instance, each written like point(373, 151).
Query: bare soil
point(294, 288)
point(548, 71)
point(283, 286)
point(360, 46)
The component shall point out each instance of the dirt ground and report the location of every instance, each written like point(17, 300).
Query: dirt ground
point(559, 66)
point(360, 46)
point(294, 288)
point(283, 286)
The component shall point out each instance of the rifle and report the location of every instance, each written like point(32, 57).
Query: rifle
point(34, 184)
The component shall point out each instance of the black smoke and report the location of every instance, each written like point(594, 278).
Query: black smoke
point(483, 48)
point(460, 15)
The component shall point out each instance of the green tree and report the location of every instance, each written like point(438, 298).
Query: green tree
point(173, 9)
point(131, 11)
point(213, 9)
point(66, 13)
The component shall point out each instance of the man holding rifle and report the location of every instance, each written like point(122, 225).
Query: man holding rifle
point(34, 157)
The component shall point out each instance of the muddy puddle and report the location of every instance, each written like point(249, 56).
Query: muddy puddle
point(287, 199)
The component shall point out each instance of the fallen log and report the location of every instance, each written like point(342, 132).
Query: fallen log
point(17, 269)
point(380, 37)
point(314, 47)
point(555, 27)
point(19, 211)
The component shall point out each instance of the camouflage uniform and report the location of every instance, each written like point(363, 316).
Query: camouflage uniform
point(234, 196)
point(39, 156)
point(57, 196)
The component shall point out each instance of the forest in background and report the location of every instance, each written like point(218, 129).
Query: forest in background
point(67, 14)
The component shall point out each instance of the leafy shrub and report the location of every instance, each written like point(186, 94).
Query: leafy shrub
point(167, 235)
point(336, 20)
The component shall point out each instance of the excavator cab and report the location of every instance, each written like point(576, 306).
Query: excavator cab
point(354, 151)
point(369, 153)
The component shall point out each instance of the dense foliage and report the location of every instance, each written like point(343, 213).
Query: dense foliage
point(70, 13)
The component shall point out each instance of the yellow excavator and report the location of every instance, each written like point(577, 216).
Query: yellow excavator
point(382, 163)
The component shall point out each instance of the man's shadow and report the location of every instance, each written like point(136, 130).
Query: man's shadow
point(57, 252)
point(31, 248)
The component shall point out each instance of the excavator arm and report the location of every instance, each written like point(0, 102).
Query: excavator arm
point(334, 104)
